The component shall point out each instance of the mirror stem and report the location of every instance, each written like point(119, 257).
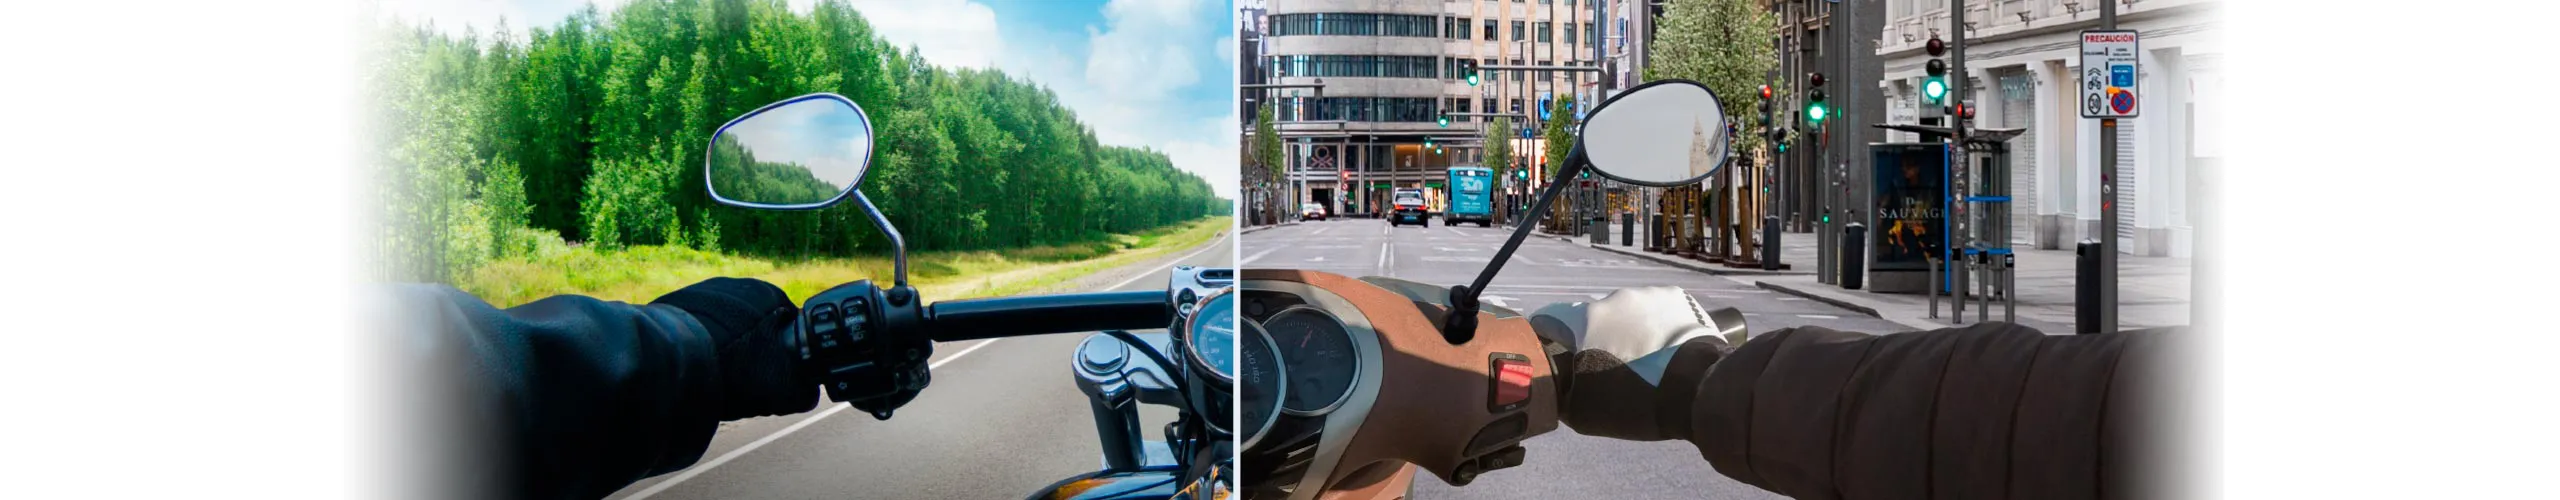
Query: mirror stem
point(1460, 326)
point(897, 244)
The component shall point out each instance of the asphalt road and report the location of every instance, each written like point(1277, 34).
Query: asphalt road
point(1001, 420)
point(1544, 271)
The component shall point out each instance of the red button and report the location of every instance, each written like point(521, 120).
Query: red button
point(1511, 382)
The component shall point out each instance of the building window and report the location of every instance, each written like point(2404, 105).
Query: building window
point(1546, 32)
point(1357, 66)
point(1569, 39)
point(1519, 30)
point(1338, 24)
point(1590, 34)
point(1491, 29)
point(1364, 109)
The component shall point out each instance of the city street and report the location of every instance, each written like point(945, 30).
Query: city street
point(1001, 420)
point(1546, 271)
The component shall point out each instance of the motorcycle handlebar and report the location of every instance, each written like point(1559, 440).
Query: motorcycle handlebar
point(973, 319)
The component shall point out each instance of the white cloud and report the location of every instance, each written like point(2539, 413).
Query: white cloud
point(1227, 52)
point(950, 33)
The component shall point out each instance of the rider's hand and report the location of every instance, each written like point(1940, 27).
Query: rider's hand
point(1629, 363)
point(750, 324)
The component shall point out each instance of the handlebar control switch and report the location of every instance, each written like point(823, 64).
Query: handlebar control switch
point(865, 348)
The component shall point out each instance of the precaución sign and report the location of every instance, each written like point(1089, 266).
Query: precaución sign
point(2110, 70)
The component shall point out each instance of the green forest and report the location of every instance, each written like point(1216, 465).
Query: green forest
point(593, 130)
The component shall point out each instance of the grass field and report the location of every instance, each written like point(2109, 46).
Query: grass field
point(638, 274)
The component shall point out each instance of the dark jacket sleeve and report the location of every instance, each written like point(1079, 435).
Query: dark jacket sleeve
point(1989, 411)
point(577, 397)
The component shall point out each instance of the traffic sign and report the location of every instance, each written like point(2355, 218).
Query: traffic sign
point(2110, 63)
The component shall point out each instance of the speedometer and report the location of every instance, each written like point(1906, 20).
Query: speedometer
point(1261, 387)
point(1321, 362)
point(1211, 335)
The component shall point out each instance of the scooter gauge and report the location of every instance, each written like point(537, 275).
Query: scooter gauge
point(1211, 335)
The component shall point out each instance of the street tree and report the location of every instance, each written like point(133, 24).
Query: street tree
point(1497, 146)
point(1729, 45)
point(1266, 152)
point(1559, 133)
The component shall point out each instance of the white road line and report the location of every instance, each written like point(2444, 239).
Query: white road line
point(689, 473)
point(1790, 299)
point(1169, 263)
point(1383, 249)
point(697, 470)
point(1454, 230)
point(1318, 231)
point(1256, 256)
point(1817, 316)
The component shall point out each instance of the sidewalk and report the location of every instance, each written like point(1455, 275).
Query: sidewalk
point(2151, 291)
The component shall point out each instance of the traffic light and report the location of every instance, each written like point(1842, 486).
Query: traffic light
point(1934, 88)
point(1764, 107)
point(1426, 142)
point(1815, 108)
point(1444, 119)
point(1467, 68)
point(1779, 136)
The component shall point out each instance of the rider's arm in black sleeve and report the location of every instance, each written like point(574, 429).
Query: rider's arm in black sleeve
point(1994, 411)
point(579, 396)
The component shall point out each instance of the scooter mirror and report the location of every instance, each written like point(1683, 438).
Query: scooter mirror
point(802, 153)
point(1663, 133)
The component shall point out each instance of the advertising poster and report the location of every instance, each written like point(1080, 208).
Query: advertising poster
point(1911, 221)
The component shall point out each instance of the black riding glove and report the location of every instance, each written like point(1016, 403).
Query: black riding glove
point(750, 322)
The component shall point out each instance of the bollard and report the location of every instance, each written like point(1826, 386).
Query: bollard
point(1933, 285)
point(1627, 230)
point(1769, 243)
point(1983, 272)
point(1955, 292)
point(1853, 256)
point(1599, 230)
point(1658, 235)
point(2084, 288)
point(2009, 287)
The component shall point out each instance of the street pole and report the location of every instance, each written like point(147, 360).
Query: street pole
point(2107, 204)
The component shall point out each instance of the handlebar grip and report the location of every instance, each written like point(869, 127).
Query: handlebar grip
point(1046, 314)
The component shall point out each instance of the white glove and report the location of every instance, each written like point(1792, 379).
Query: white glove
point(1611, 355)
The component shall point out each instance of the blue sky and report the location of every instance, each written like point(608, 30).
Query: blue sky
point(1167, 83)
point(824, 135)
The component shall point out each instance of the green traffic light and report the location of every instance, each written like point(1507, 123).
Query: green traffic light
point(1471, 78)
point(1935, 89)
point(1817, 112)
point(1444, 121)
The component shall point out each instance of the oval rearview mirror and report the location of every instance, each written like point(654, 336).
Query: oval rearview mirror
point(802, 153)
point(1663, 133)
